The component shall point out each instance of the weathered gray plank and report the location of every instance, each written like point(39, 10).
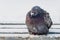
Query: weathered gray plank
point(23, 26)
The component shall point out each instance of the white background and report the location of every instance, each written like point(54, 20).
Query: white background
point(14, 11)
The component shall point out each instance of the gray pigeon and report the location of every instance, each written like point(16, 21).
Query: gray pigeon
point(38, 21)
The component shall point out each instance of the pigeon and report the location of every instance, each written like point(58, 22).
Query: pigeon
point(38, 21)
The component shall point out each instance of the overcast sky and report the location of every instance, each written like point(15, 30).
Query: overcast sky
point(14, 11)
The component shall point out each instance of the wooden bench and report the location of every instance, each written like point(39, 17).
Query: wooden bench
point(20, 31)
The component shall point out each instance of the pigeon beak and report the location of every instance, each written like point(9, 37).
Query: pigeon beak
point(32, 14)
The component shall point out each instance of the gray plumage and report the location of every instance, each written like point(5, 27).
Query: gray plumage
point(38, 21)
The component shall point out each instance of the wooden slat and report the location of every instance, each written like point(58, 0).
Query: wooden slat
point(13, 27)
point(26, 35)
point(23, 27)
point(13, 30)
point(14, 35)
point(54, 30)
point(23, 31)
point(22, 24)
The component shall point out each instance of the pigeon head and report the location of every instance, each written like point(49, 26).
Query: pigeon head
point(35, 11)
